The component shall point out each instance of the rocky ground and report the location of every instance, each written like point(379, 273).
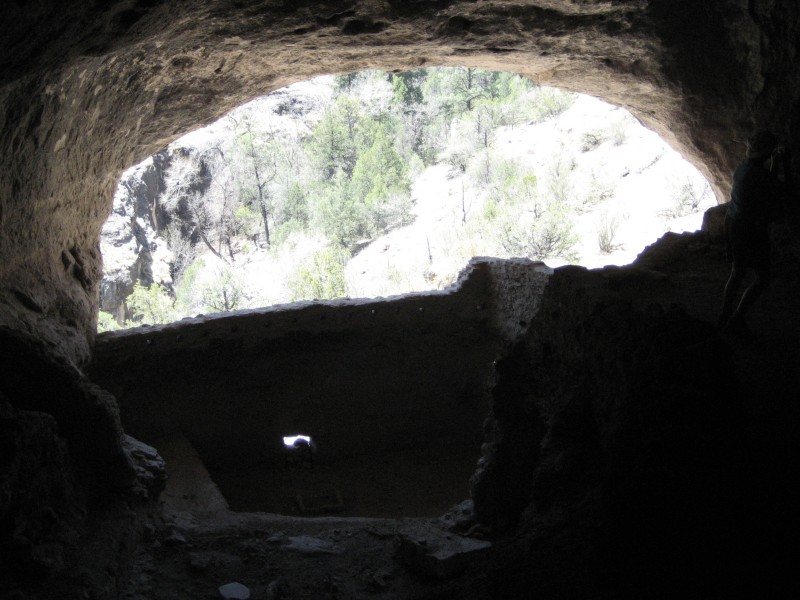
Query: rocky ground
point(194, 544)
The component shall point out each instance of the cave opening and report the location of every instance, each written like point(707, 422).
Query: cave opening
point(308, 193)
point(404, 468)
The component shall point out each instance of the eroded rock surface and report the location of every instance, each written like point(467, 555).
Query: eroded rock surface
point(70, 485)
point(131, 248)
point(629, 443)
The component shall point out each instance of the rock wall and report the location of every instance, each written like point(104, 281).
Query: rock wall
point(130, 243)
point(625, 453)
point(67, 473)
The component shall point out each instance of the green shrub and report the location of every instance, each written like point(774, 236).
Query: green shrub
point(321, 277)
point(600, 190)
point(559, 185)
point(185, 302)
point(151, 305)
point(592, 139)
point(687, 196)
point(247, 221)
point(551, 102)
point(223, 292)
point(618, 130)
point(551, 234)
point(606, 233)
point(107, 322)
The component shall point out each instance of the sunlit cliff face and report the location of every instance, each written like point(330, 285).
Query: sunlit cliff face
point(374, 184)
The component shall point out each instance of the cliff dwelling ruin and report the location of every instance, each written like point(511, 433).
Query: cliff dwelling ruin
point(623, 446)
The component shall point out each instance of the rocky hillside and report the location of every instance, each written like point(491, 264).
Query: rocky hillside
point(586, 185)
point(131, 246)
point(628, 188)
point(136, 243)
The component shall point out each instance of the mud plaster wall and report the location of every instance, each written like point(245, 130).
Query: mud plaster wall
point(88, 89)
point(361, 377)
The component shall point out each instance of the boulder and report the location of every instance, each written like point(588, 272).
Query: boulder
point(440, 555)
point(234, 591)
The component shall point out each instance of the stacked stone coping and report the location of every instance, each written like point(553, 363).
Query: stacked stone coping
point(502, 293)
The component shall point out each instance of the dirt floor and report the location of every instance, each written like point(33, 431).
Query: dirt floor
point(194, 543)
point(420, 482)
point(323, 558)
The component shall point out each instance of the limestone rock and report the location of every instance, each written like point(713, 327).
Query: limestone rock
point(311, 546)
point(441, 555)
point(131, 249)
point(150, 468)
point(234, 591)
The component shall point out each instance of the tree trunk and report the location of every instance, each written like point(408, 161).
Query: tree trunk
point(264, 215)
point(463, 205)
point(209, 245)
point(262, 204)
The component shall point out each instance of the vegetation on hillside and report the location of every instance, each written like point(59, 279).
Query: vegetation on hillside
point(317, 188)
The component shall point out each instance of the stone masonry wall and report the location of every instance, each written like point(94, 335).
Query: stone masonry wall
point(359, 376)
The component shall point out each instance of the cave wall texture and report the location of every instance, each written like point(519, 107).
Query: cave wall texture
point(87, 89)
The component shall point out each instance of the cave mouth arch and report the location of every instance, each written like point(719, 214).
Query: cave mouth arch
point(386, 482)
point(388, 478)
point(486, 154)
